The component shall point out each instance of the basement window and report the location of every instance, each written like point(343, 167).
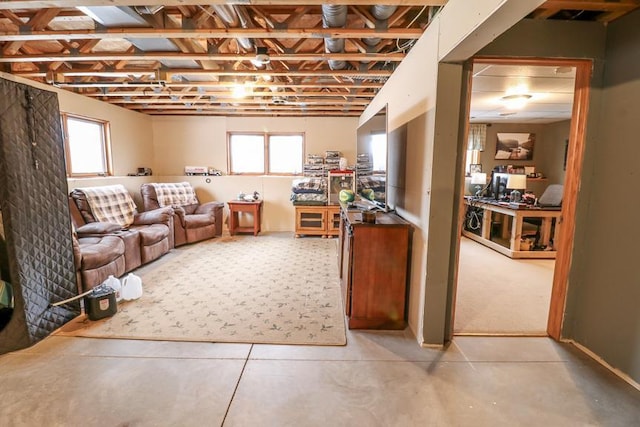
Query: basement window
point(265, 153)
point(86, 145)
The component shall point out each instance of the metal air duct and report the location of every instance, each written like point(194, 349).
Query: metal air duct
point(234, 17)
point(334, 17)
point(382, 13)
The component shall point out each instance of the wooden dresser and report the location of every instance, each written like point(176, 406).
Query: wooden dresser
point(374, 268)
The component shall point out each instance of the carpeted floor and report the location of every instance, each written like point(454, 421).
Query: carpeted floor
point(500, 295)
point(267, 289)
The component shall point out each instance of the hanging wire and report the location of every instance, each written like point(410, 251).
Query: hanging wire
point(401, 47)
point(474, 220)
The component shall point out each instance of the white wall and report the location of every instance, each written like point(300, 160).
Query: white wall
point(202, 141)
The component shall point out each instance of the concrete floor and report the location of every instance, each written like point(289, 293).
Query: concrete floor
point(378, 379)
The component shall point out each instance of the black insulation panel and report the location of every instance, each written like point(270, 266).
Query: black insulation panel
point(35, 214)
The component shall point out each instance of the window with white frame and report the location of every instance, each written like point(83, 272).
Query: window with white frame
point(86, 144)
point(265, 153)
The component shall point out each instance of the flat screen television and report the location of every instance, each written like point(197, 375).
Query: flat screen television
point(381, 162)
point(371, 161)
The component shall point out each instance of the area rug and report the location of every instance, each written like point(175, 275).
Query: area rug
point(271, 289)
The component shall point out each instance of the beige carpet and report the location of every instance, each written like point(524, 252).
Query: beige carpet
point(499, 295)
point(267, 289)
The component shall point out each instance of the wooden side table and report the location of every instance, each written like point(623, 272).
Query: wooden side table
point(254, 208)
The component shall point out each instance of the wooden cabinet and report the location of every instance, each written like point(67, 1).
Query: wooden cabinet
point(333, 220)
point(317, 221)
point(374, 268)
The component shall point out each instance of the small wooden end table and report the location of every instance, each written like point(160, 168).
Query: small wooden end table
point(254, 208)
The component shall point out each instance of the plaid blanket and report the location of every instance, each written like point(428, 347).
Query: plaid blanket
point(309, 185)
point(372, 181)
point(111, 203)
point(308, 199)
point(175, 194)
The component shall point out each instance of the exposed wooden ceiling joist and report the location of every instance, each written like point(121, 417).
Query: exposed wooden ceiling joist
point(185, 49)
point(218, 94)
point(215, 33)
point(43, 4)
point(222, 57)
point(180, 72)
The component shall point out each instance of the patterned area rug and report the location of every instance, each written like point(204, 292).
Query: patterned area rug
point(270, 289)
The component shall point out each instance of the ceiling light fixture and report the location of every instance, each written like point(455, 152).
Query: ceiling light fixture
point(563, 70)
point(262, 57)
point(241, 90)
point(516, 101)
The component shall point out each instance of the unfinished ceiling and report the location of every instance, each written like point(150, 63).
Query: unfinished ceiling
point(289, 58)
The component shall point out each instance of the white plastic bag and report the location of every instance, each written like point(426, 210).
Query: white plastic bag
point(131, 287)
point(114, 284)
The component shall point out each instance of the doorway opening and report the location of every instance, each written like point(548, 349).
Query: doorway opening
point(525, 121)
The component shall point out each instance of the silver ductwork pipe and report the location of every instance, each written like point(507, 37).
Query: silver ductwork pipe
point(334, 16)
point(234, 17)
point(382, 13)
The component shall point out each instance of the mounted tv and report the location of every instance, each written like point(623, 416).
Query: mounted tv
point(371, 161)
point(381, 161)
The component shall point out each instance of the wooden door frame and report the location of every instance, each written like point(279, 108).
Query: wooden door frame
point(575, 154)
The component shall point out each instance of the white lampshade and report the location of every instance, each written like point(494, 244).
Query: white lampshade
point(517, 182)
point(479, 178)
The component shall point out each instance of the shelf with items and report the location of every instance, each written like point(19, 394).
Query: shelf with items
point(315, 196)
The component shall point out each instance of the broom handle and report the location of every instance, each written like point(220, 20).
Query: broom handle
point(55, 304)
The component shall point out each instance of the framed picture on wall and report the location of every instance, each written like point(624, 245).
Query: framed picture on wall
point(515, 146)
point(475, 168)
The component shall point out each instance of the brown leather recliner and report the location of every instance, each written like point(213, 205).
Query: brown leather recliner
point(192, 222)
point(96, 258)
point(149, 236)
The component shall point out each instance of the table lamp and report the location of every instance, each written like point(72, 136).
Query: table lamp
point(478, 181)
point(516, 183)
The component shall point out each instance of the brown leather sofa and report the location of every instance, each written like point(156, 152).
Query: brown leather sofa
point(149, 237)
point(192, 222)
